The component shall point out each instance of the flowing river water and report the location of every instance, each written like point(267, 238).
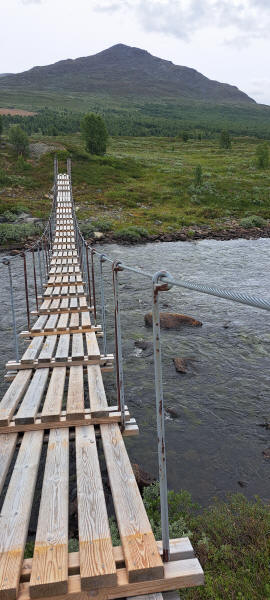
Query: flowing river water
point(214, 441)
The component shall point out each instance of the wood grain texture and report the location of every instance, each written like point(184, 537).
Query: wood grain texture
point(31, 401)
point(77, 351)
point(47, 349)
point(50, 561)
point(75, 396)
point(97, 565)
point(177, 574)
point(92, 346)
point(141, 556)
point(62, 348)
point(98, 400)
point(54, 397)
point(13, 396)
point(7, 447)
point(32, 351)
point(15, 513)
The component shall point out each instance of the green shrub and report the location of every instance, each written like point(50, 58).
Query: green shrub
point(8, 216)
point(10, 233)
point(102, 225)
point(4, 178)
point(87, 229)
point(132, 233)
point(262, 156)
point(230, 538)
point(253, 221)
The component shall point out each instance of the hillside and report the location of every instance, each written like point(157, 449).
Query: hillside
point(125, 72)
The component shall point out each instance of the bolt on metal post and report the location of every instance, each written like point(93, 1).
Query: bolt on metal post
point(116, 267)
point(103, 309)
point(157, 287)
point(6, 262)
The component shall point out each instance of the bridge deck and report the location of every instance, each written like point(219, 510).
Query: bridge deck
point(57, 396)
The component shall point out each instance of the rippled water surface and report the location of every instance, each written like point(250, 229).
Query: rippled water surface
point(216, 441)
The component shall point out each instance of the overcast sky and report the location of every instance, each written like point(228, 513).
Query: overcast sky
point(226, 40)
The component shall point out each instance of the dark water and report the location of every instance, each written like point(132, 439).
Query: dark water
point(216, 441)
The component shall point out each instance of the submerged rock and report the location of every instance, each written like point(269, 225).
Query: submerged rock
point(143, 478)
point(180, 365)
point(172, 320)
point(143, 344)
point(173, 412)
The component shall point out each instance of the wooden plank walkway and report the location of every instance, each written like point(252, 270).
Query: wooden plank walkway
point(56, 398)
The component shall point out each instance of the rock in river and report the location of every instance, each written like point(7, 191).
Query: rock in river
point(172, 320)
point(180, 364)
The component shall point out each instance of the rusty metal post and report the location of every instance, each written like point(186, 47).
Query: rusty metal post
point(88, 276)
point(157, 287)
point(40, 272)
point(6, 262)
point(116, 267)
point(26, 289)
point(102, 259)
point(35, 277)
point(93, 284)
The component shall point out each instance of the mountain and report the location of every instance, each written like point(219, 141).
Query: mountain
point(126, 72)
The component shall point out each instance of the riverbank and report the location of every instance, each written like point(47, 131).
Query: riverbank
point(143, 189)
point(131, 237)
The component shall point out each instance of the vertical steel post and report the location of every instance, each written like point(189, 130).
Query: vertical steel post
point(157, 287)
point(116, 267)
point(88, 276)
point(6, 262)
point(40, 272)
point(26, 290)
point(93, 284)
point(103, 308)
point(35, 277)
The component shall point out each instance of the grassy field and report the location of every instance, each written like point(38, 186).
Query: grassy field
point(146, 183)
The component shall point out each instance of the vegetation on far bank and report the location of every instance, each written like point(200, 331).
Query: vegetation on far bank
point(142, 186)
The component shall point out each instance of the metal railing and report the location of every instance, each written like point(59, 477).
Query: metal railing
point(161, 281)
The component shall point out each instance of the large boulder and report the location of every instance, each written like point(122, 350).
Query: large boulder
point(172, 320)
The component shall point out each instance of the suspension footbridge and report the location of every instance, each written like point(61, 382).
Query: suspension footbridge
point(56, 398)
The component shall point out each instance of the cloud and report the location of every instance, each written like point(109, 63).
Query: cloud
point(25, 2)
point(183, 18)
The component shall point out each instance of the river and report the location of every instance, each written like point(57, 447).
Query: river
point(215, 444)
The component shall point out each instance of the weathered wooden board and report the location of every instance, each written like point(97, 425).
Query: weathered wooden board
point(49, 574)
point(13, 396)
point(97, 564)
point(15, 513)
point(141, 556)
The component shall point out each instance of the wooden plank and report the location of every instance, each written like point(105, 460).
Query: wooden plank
point(77, 346)
point(62, 348)
point(63, 321)
point(97, 564)
point(177, 574)
point(47, 349)
point(13, 396)
point(141, 556)
point(51, 323)
point(98, 400)
point(75, 396)
point(74, 321)
point(30, 404)
point(86, 321)
point(180, 549)
point(40, 323)
point(32, 350)
point(65, 421)
point(50, 561)
point(92, 348)
point(15, 513)
point(7, 447)
point(73, 303)
point(54, 397)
